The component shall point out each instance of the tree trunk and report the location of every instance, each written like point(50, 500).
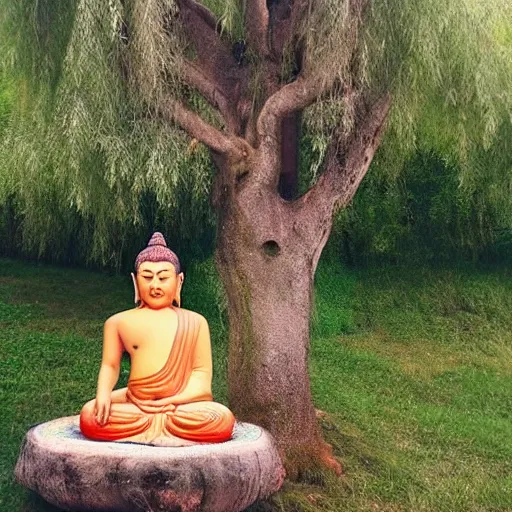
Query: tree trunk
point(267, 267)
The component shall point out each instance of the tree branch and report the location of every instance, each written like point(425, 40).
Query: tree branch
point(292, 97)
point(347, 168)
point(213, 54)
point(196, 127)
point(284, 20)
point(257, 25)
point(347, 161)
point(204, 13)
point(201, 29)
point(216, 63)
point(196, 78)
point(346, 165)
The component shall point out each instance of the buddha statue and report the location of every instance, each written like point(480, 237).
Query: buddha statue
point(168, 401)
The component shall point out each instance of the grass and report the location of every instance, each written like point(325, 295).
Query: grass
point(412, 369)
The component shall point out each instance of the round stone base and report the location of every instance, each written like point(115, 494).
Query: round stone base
point(77, 474)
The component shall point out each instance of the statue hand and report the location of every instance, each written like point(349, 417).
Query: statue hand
point(102, 408)
point(158, 405)
point(167, 403)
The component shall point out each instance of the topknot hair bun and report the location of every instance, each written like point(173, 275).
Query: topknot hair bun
point(157, 239)
point(156, 251)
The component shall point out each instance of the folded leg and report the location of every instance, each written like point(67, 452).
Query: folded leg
point(207, 422)
point(125, 420)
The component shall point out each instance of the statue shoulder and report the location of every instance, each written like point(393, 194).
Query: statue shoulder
point(198, 317)
point(119, 318)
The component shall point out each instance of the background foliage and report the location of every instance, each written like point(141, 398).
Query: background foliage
point(88, 169)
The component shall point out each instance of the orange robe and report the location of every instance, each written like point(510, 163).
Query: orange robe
point(197, 421)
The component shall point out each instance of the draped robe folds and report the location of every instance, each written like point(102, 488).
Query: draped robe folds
point(203, 421)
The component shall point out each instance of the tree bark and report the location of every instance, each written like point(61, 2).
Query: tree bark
point(266, 262)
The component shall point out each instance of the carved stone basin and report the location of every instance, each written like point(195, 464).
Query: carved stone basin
point(77, 474)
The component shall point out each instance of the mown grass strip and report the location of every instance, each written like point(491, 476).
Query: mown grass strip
point(412, 369)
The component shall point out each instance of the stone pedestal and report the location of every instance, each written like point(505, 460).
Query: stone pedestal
point(77, 474)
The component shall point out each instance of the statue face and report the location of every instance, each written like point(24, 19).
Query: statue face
point(158, 284)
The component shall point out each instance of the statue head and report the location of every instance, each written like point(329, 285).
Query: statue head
point(158, 277)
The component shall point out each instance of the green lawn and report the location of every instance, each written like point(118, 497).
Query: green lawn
point(412, 369)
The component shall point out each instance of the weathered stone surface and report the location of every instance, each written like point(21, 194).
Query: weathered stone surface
point(77, 474)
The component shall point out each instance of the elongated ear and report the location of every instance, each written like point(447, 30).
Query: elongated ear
point(136, 297)
point(177, 297)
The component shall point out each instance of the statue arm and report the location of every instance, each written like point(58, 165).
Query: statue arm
point(199, 385)
point(109, 371)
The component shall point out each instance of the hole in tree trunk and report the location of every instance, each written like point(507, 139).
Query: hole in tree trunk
point(271, 248)
point(240, 178)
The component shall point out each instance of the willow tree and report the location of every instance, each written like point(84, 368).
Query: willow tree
point(124, 92)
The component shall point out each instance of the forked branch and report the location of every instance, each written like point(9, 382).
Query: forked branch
point(213, 53)
point(290, 98)
point(215, 71)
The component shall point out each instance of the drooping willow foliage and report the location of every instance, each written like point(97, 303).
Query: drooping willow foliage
point(86, 159)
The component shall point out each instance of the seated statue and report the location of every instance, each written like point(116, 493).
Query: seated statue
point(169, 405)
